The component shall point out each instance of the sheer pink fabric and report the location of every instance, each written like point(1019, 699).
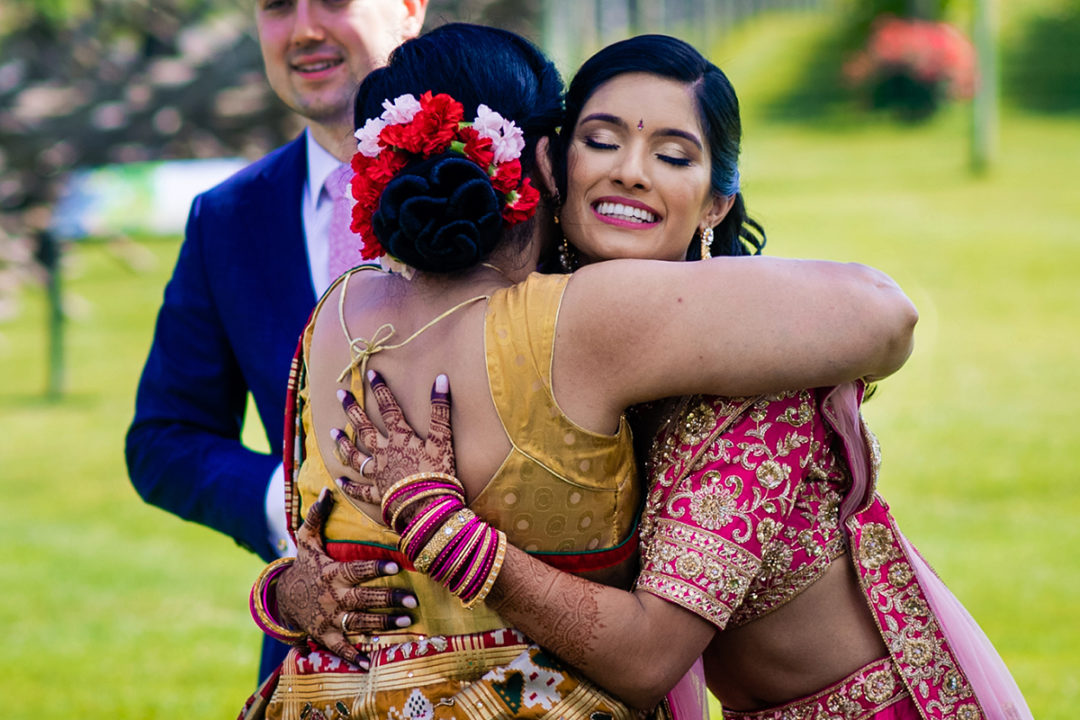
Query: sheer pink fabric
point(689, 700)
point(994, 687)
point(993, 684)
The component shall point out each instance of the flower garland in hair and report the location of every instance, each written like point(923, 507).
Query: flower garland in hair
point(411, 129)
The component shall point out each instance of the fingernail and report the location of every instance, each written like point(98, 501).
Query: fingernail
point(442, 383)
point(371, 375)
point(390, 568)
point(340, 482)
point(335, 433)
point(364, 663)
point(323, 493)
point(340, 394)
point(403, 621)
point(409, 601)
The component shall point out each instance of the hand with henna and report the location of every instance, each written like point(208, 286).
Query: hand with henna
point(321, 596)
point(401, 452)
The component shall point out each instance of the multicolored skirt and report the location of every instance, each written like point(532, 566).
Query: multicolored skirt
point(483, 676)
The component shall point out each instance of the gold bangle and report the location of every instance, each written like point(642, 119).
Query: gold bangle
point(434, 492)
point(263, 618)
point(420, 477)
point(442, 538)
point(466, 553)
point(418, 523)
point(478, 565)
point(500, 556)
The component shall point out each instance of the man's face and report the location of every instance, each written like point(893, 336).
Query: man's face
point(316, 52)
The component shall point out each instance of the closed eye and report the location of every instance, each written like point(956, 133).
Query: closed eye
point(596, 144)
point(677, 161)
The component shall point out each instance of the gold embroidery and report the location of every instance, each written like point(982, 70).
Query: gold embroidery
point(900, 575)
point(766, 530)
point(952, 683)
point(875, 547)
point(915, 606)
point(880, 686)
point(862, 695)
point(777, 559)
point(756, 532)
point(712, 506)
point(918, 651)
point(968, 711)
point(772, 474)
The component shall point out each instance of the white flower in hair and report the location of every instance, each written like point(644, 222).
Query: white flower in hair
point(507, 140)
point(368, 137)
point(401, 110)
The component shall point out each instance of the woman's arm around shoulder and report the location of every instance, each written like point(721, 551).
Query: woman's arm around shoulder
point(633, 330)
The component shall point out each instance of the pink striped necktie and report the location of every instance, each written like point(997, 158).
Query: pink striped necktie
point(343, 245)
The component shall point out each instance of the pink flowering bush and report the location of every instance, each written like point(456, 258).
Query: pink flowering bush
point(911, 66)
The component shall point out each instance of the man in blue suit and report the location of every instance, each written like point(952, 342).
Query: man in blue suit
point(253, 260)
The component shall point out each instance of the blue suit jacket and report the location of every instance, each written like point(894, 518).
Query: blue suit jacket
point(233, 310)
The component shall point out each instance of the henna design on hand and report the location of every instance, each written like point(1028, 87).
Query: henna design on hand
point(316, 591)
point(559, 611)
point(401, 452)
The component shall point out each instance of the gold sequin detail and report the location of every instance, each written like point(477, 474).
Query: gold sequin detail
point(772, 474)
point(968, 711)
point(918, 651)
point(900, 575)
point(880, 686)
point(875, 547)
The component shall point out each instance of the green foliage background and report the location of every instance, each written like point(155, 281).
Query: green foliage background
point(115, 609)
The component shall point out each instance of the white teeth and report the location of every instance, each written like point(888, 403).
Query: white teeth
point(625, 212)
point(316, 67)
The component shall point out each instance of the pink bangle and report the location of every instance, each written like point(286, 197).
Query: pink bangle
point(492, 573)
point(423, 527)
point(260, 602)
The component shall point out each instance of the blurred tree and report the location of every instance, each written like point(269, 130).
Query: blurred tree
point(89, 83)
point(1042, 63)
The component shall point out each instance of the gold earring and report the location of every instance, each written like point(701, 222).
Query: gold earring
point(706, 243)
point(568, 259)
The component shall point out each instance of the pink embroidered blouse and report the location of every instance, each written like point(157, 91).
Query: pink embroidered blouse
point(736, 527)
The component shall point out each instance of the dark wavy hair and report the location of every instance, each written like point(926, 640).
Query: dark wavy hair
point(718, 112)
point(441, 214)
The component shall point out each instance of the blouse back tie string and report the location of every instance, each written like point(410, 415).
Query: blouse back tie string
point(361, 349)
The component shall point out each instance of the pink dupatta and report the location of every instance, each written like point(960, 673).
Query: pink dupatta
point(879, 549)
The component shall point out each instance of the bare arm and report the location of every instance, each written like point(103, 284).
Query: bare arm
point(634, 330)
point(634, 645)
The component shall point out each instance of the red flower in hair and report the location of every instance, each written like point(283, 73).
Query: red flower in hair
point(522, 204)
point(439, 118)
point(386, 166)
point(412, 130)
point(404, 137)
point(507, 176)
point(477, 148)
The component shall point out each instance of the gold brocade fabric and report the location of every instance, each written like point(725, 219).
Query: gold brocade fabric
point(497, 675)
point(562, 490)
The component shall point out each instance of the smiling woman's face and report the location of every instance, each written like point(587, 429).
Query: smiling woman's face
point(638, 172)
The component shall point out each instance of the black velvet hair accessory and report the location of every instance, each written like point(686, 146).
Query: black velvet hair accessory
point(439, 215)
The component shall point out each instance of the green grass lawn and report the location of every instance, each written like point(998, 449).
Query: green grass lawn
point(115, 609)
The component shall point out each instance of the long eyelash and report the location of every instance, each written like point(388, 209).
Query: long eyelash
point(589, 142)
point(680, 162)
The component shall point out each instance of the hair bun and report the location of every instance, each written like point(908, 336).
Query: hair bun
point(440, 215)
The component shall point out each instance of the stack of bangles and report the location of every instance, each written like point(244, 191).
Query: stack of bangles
point(444, 539)
point(263, 603)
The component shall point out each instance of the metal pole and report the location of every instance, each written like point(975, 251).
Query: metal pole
point(984, 107)
point(49, 257)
